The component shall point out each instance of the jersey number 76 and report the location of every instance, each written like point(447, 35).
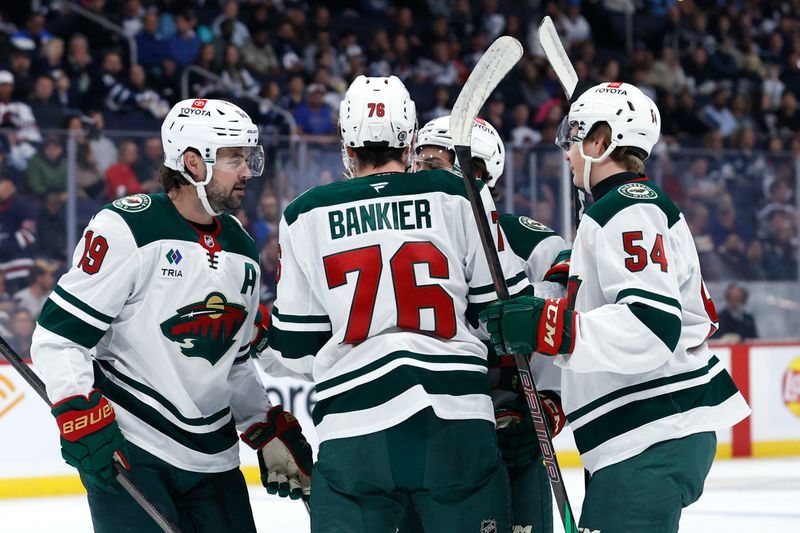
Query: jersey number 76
point(410, 297)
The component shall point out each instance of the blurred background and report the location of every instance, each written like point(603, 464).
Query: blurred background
point(84, 86)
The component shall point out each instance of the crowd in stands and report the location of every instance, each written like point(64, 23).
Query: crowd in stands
point(725, 74)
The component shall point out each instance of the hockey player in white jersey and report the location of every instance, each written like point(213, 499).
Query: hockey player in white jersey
point(642, 390)
point(144, 344)
point(379, 275)
point(541, 250)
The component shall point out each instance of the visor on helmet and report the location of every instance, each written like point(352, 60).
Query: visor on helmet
point(568, 132)
point(252, 156)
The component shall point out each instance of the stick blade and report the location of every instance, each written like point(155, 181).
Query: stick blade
point(493, 66)
point(557, 56)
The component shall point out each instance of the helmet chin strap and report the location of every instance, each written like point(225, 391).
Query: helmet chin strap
point(200, 188)
point(588, 160)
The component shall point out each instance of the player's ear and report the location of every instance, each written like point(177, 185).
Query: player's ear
point(194, 163)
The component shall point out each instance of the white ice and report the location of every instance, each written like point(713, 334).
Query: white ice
point(741, 496)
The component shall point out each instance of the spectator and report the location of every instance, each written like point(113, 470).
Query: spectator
point(235, 77)
point(121, 179)
point(295, 94)
point(149, 42)
point(182, 48)
point(268, 260)
point(718, 115)
point(34, 30)
point(16, 114)
point(21, 66)
point(148, 168)
point(78, 68)
point(230, 13)
point(267, 219)
point(103, 148)
point(17, 234)
point(21, 329)
point(40, 283)
point(731, 238)
point(441, 105)
point(258, 54)
point(47, 170)
point(735, 323)
point(49, 113)
point(88, 178)
point(314, 117)
point(780, 245)
point(52, 57)
point(51, 242)
point(667, 73)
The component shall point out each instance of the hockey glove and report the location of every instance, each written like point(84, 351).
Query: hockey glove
point(516, 434)
point(90, 435)
point(284, 455)
point(529, 324)
point(559, 270)
point(259, 342)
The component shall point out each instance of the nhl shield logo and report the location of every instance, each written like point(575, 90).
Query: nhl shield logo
point(209, 240)
point(638, 191)
point(489, 526)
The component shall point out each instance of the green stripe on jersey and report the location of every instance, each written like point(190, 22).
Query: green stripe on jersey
point(524, 234)
point(296, 344)
point(210, 443)
point(631, 194)
point(665, 326)
point(639, 387)
point(54, 318)
point(486, 289)
point(301, 319)
point(399, 380)
point(636, 414)
point(650, 296)
point(474, 309)
point(388, 358)
point(161, 221)
point(386, 185)
point(80, 304)
point(169, 406)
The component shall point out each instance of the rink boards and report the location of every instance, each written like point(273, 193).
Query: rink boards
point(767, 373)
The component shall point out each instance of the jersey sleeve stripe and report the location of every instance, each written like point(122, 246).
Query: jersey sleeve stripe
point(383, 389)
point(298, 326)
point(489, 289)
point(300, 319)
point(296, 344)
point(575, 416)
point(71, 309)
point(637, 414)
point(242, 358)
point(83, 306)
point(390, 361)
point(642, 295)
point(128, 381)
point(665, 326)
point(474, 309)
point(56, 320)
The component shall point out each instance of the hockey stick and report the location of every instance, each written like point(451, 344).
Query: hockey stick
point(120, 473)
point(493, 66)
point(565, 72)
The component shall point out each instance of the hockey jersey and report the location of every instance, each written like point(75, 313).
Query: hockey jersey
point(158, 314)
point(641, 371)
point(378, 277)
point(536, 246)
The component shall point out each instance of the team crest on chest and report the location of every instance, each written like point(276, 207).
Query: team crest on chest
point(534, 225)
point(205, 329)
point(133, 203)
point(638, 191)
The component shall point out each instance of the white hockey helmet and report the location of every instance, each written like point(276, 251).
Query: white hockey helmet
point(485, 143)
point(633, 117)
point(208, 125)
point(376, 112)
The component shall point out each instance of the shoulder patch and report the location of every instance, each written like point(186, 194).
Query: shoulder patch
point(532, 224)
point(638, 191)
point(133, 203)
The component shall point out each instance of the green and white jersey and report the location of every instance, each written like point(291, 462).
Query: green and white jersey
point(536, 246)
point(158, 315)
point(641, 372)
point(379, 278)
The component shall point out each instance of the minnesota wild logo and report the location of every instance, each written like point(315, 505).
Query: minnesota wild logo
point(205, 329)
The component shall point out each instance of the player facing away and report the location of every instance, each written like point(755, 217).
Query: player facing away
point(147, 337)
point(642, 390)
point(539, 248)
point(379, 274)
